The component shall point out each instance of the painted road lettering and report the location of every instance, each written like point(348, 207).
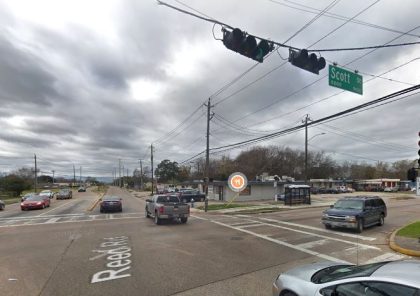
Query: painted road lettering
point(117, 256)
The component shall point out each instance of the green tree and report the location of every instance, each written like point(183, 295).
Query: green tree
point(167, 170)
point(14, 184)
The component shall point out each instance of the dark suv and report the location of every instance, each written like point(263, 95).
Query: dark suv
point(355, 212)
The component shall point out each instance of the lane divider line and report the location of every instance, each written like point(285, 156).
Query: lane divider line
point(95, 203)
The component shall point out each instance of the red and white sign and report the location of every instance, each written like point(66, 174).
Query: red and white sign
point(237, 182)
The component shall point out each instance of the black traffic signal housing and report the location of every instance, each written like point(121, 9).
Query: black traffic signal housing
point(246, 45)
point(308, 62)
point(412, 174)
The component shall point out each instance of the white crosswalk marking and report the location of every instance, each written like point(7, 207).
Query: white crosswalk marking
point(65, 218)
point(52, 220)
point(387, 257)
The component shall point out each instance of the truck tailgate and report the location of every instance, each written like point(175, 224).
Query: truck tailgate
point(176, 209)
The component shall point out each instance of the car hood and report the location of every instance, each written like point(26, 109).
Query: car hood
point(342, 212)
point(27, 202)
point(305, 272)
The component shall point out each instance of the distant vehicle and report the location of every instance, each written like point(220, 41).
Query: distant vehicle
point(111, 203)
point(279, 197)
point(391, 189)
point(344, 189)
point(81, 189)
point(48, 193)
point(395, 278)
point(188, 195)
point(314, 190)
point(355, 212)
point(35, 202)
point(64, 193)
point(2, 205)
point(27, 195)
point(162, 207)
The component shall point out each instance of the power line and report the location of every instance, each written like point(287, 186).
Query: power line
point(333, 3)
point(319, 40)
point(333, 95)
point(315, 81)
point(170, 134)
point(289, 46)
point(347, 112)
point(348, 154)
point(340, 17)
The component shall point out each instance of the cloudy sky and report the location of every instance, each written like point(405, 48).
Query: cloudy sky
point(87, 83)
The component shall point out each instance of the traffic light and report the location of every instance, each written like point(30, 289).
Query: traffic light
point(246, 45)
point(309, 62)
point(418, 160)
point(412, 174)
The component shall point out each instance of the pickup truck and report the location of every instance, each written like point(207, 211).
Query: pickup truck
point(186, 196)
point(162, 207)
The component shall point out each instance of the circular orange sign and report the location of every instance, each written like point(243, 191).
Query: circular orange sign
point(237, 182)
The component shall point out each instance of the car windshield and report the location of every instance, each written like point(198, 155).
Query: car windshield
point(34, 198)
point(113, 198)
point(345, 271)
point(167, 199)
point(349, 204)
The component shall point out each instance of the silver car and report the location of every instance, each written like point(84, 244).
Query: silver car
point(397, 278)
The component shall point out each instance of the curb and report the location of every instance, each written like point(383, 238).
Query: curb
point(394, 246)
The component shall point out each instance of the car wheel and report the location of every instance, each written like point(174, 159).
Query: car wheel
point(43, 206)
point(381, 220)
point(184, 220)
point(157, 220)
point(146, 213)
point(100, 210)
point(360, 226)
point(327, 226)
point(2, 207)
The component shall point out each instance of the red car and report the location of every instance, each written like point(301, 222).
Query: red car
point(35, 202)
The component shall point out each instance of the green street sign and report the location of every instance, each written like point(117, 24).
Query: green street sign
point(346, 80)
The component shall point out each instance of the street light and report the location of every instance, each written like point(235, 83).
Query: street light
point(320, 134)
point(306, 154)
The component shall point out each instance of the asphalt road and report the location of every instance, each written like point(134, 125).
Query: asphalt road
point(68, 250)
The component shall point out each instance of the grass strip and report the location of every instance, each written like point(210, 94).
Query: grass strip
point(411, 230)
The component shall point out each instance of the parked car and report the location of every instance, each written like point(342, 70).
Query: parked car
point(2, 205)
point(314, 190)
point(111, 203)
point(35, 202)
point(24, 197)
point(391, 189)
point(188, 195)
point(355, 212)
point(48, 193)
point(64, 193)
point(81, 189)
point(393, 278)
point(162, 207)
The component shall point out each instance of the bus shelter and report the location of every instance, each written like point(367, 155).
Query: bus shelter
point(297, 194)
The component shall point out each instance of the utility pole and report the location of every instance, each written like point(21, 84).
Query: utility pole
point(36, 174)
point(74, 175)
point(119, 174)
point(80, 177)
point(305, 121)
point(53, 171)
point(151, 160)
point(206, 202)
point(126, 176)
point(141, 174)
